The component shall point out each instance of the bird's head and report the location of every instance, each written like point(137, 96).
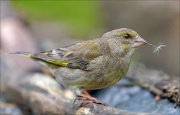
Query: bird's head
point(123, 40)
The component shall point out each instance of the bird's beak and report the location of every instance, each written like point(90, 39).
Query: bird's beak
point(138, 42)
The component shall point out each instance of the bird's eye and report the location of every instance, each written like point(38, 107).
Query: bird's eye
point(127, 36)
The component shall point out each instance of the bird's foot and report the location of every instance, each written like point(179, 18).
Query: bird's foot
point(86, 100)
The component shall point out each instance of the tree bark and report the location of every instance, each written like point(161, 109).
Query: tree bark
point(45, 96)
point(158, 82)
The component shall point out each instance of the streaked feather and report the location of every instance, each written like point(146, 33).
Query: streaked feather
point(76, 56)
point(24, 54)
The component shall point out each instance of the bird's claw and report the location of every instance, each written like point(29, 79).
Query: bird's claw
point(88, 100)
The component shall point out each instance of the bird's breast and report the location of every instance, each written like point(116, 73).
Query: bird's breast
point(107, 74)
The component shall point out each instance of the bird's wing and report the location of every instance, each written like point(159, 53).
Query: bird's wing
point(76, 56)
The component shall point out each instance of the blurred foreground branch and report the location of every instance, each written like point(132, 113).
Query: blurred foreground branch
point(45, 96)
point(157, 82)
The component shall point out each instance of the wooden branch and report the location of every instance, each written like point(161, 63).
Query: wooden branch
point(45, 96)
point(156, 81)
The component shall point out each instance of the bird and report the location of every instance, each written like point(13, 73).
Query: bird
point(92, 64)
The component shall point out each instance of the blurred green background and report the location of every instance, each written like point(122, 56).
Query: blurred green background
point(80, 17)
point(56, 23)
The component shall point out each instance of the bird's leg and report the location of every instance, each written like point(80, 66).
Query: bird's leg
point(88, 99)
point(85, 92)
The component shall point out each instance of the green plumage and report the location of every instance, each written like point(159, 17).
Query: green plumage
point(92, 64)
point(75, 57)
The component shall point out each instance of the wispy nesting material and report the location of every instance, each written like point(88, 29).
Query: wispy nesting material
point(157, 49)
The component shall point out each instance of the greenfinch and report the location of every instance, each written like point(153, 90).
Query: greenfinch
point(92, 64)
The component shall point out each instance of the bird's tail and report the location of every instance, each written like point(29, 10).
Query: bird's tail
point(24, 54)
